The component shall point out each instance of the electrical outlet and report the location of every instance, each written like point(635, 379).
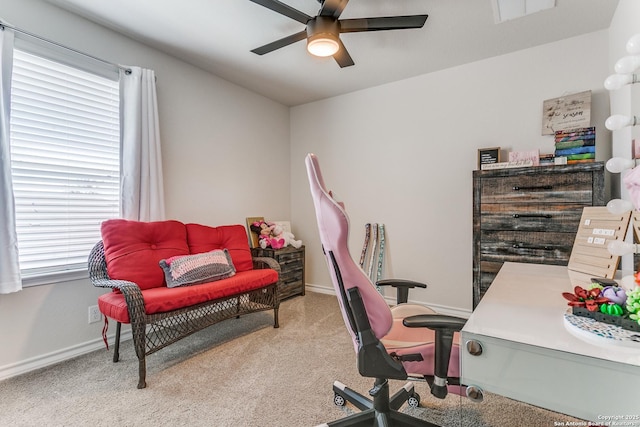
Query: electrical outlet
point(94, 314)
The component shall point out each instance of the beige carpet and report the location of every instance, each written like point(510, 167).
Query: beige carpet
point(242, 372)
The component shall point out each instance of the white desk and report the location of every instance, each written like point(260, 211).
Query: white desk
point(531, 356)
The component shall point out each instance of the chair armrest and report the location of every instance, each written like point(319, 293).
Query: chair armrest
point(99, 277)
point(435, 322)
point(444, 326)
point(402, 287)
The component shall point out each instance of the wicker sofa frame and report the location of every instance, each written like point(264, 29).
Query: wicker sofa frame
point(156, 331)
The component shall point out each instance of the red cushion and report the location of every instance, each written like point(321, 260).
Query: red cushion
point(202, 238)
point(133, 249)
point(160, 300)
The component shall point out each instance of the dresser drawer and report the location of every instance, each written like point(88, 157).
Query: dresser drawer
point(531, 217)
point(552, 188)
point(532, 247)
point(291, 275)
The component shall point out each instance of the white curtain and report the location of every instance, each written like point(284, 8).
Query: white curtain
point(141, 161)
point(10, 280)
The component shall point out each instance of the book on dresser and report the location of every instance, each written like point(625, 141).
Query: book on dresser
point(529, 215)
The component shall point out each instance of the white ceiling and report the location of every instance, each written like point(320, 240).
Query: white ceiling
point(217, 35)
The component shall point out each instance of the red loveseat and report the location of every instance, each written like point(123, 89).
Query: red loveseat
point(128, 260)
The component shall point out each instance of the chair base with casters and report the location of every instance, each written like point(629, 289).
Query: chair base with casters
point(382, 410)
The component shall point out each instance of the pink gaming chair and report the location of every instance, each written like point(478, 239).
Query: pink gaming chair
point(403, 342)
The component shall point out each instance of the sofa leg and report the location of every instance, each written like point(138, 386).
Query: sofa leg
point(116, 346)
point(139, 333)
point(142, 372)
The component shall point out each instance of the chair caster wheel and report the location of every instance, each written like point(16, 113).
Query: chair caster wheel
point(338, 400)
point(414, 400)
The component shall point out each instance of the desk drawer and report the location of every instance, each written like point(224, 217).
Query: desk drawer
point(555, 380)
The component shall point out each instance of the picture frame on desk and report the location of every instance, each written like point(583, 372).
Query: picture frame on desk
point(253, 237)
point(488, 156)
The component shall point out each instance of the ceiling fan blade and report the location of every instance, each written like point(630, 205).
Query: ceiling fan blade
point(342, 56)
point(332, 8)
point(283, 9)
point(285, 41)
point(382, 23)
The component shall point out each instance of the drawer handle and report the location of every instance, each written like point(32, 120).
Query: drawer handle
point(548, 216)
point(474, 347)
point(523, 246)
point(475, 393)
point(533, 187)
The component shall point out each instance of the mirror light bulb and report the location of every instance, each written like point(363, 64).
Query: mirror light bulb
point(616, 81)
point(628, 283)
point(619, 206)
point(619, 248)
point(618, 121)
point(628, 64)
point(619, 164)
point(633, 45)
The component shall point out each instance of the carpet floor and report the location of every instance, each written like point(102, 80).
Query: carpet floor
point(241, 372)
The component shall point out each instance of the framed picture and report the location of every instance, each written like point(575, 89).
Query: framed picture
point(567, 112)
point(488, 155)
point(635, 149)
point(285, 225)
point(253, 237)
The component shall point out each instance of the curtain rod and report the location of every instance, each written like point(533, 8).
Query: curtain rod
point(19, 30)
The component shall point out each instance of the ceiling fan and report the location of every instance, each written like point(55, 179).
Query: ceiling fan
point(323, 30)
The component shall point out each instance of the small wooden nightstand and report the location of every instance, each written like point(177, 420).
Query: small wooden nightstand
point(291, 262)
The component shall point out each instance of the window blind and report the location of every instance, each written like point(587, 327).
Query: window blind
point(65, 161)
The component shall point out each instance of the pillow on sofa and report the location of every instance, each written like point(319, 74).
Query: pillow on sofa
point(202, 238)
point(198, 268)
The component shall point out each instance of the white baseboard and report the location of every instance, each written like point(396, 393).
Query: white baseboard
point(440, 309)
point(42, 361)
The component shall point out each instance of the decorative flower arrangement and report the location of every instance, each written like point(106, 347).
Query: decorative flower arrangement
point(610, 304)
point(590, 299)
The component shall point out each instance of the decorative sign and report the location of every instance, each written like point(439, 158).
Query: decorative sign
point(487, 156)
point(519, 156)
point(566, 112)
point(506, 165)
point(590, 256)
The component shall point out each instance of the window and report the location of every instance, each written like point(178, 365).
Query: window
point(65, 161)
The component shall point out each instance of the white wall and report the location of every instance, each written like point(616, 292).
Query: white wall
point(216, 140)
point(402, 154)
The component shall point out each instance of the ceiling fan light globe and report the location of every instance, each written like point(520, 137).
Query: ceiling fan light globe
point(322, 46)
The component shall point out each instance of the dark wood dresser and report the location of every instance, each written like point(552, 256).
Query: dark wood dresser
point(530, 215)
point(291, 262)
